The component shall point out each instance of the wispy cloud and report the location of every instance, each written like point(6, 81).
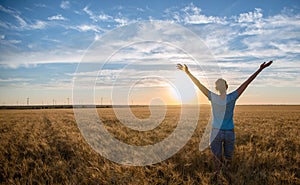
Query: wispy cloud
point(22, 23)
point(251, 36)
point(290, 47)
point(96, 17)
point(191, 14)
point(8, 42)
point(14, 80)
point(15, 60)
point(37, 25)
point(105, 17)
point(121, 21)
point(57, 17)
point(86, 27)
point(40, 5)
point(90, 13)
point(250, 16)
point(6, 10)
point(65, 4)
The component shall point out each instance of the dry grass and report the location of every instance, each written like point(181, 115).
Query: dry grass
point(46, 147)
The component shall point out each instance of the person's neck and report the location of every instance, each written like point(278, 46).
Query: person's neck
point(223, 94)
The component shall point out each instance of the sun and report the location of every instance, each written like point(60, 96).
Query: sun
point(183, 90)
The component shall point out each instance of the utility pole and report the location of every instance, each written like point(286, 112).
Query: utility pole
point(68, 101)
point(28, 101)
point(101, 100)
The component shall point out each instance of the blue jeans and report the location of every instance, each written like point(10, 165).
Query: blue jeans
point(222, 140)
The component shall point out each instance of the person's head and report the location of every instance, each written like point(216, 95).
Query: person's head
point(221, 85)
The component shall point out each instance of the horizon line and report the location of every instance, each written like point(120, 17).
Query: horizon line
point(117, 106)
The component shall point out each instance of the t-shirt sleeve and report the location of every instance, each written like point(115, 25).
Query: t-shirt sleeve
point(234, 95)
point(209, 95)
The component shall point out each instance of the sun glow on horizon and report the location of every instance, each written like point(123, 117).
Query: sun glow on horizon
point(183, 90)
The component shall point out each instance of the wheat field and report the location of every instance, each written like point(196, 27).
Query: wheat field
point(45, 146)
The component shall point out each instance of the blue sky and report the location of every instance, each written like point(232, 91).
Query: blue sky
point(42, 43)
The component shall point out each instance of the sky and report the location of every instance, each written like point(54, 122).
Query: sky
point(125, 52)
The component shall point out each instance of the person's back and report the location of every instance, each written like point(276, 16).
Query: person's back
point(222, 110)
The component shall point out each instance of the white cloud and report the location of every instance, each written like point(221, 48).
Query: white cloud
point(140, 9)
point(16, 15)
point(97, 37)
point(191, 14)
point(105, 17)
point(123, 77)
point(21, 21)
point(15, 41)
point(94, 17)
point(121, 21)
point(12, 59)
point(90, 13)
point(283, 21)
point(65, 4)
point(48, 39)
point(23, 24)
point(38, 25)
point(14, 79)
point(250, 36)
point(191, 8)
point(202, 19)
point(57, 17)
point(254, 16)
point(288, 47)
point(8, 42)
point(6, 10)
point(86, 27)
point(4, 25)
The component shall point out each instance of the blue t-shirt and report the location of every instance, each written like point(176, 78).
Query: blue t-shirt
point(222, 110)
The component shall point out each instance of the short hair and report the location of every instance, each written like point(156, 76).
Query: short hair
point(221, 85)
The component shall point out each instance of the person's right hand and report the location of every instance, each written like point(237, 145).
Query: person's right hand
point(264, 65)
point(183, 67)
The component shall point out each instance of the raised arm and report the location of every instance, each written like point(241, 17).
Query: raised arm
point(202, 88)
point(244, 85)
